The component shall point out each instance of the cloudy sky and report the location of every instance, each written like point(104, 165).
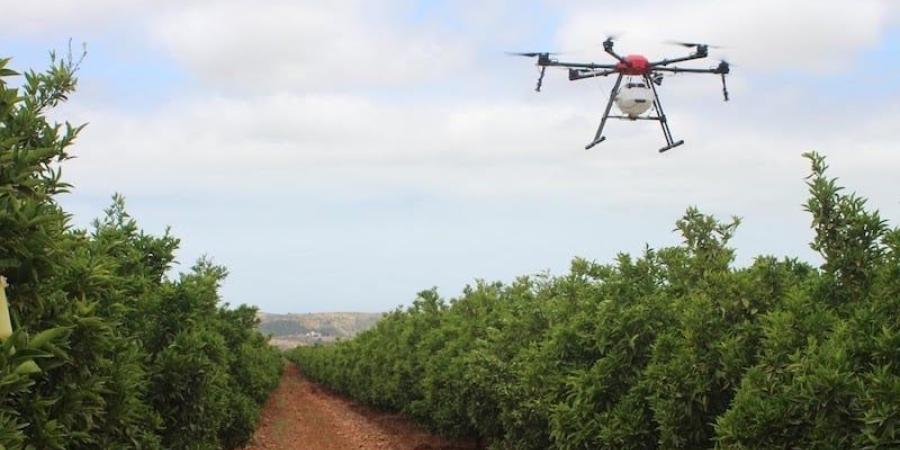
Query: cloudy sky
point(344, 155)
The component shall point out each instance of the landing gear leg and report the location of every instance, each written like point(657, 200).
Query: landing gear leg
point(598, 138)
point(670, 142)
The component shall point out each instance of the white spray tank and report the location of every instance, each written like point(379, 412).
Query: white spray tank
point(634, 98)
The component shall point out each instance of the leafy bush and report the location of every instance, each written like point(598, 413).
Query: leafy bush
point(677, 348)
point(108, 351)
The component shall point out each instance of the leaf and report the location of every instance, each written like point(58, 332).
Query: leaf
point(46, 336)
point(27, 368)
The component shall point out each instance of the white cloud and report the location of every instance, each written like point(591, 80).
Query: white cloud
point(264, 46)
point(762, 35)
point(308, 45)
point(267, 139)
point(345, 146)
point(75, 18)
point(291, 126)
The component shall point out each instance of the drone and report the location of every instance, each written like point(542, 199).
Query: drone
point(638, 94)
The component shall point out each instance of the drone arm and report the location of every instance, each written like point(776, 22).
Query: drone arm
point(666, 62)
point(585, 70)
point(615, 55)
point(685, 70)
point(608, 48)
point(575, 65)
point(580, 74)
point(700, 53)
point(722, 70)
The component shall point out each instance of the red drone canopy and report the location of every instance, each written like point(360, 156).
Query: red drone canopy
point(634, 65)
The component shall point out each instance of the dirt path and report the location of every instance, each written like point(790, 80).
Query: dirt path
point(302, 415)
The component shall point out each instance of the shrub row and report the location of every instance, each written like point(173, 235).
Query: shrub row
point(108, 352)
point(676, 348)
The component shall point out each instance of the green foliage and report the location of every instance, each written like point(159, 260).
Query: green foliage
point(676, 348)
point(108, 352)
point(827, 375)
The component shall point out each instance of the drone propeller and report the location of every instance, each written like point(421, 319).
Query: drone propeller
point(532, 54)
point(608, 43)
point(691, 44)
point(543, 61)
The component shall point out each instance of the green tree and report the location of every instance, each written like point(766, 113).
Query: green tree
point(108, 351)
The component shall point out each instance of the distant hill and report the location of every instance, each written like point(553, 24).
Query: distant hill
point(291, 330)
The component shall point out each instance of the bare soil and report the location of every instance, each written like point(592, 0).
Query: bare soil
point(301, 414)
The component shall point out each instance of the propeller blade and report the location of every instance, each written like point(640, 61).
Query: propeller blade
point(692, 44)
point(610, 39)
point(531, 54)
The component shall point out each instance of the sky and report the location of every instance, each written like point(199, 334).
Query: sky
point(342, 156)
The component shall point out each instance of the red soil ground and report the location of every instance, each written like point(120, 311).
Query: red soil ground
point(301, 414)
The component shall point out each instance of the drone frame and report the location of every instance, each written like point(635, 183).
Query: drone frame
point(633, 65)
